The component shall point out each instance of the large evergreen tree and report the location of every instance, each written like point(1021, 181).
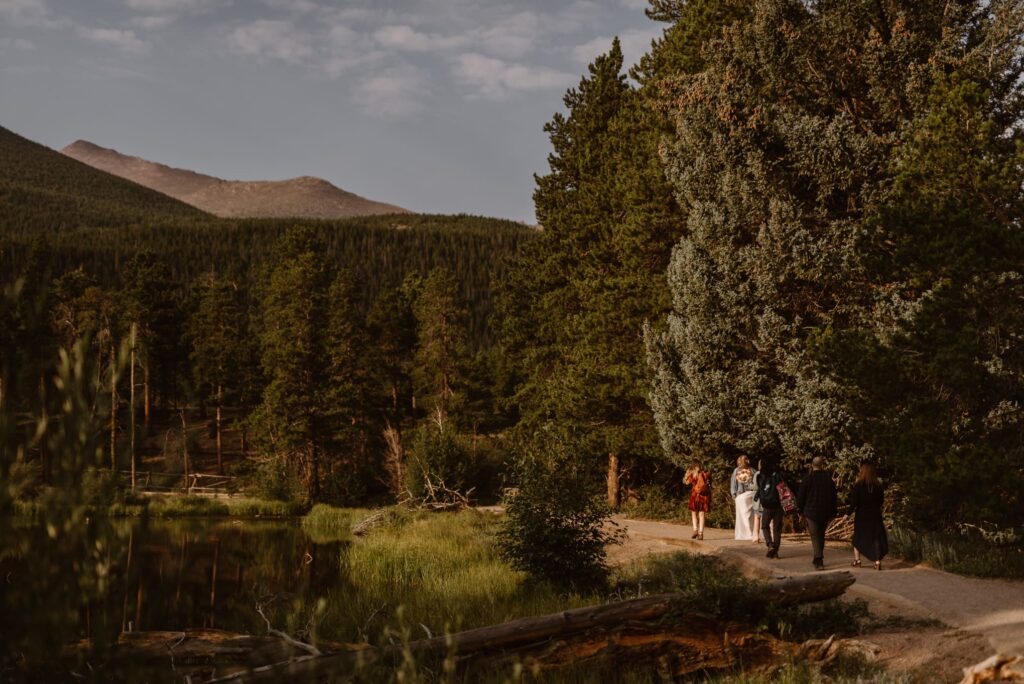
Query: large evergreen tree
point(218, 335)
point(292, 418)
point(785, 150)
point(577, 297)
point(442, 348)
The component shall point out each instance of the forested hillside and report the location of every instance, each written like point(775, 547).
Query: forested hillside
point(104, 220)
point(43, 190)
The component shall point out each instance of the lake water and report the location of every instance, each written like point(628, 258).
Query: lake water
point(172, 575)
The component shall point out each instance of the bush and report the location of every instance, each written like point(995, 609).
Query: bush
point(439, 454)
point(962, 554)
point(270, 479)
point(556, 523)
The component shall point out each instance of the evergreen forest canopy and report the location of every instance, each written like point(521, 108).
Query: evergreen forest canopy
point(792, 229)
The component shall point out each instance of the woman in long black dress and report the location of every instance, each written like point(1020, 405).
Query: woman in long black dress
point(867, 499)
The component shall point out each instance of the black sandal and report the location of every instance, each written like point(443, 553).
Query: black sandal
point(856, 563)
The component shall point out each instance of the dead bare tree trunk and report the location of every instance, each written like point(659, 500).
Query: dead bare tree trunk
point(145, 394)
point(394, 463)
point(220, 447)
point(131, 406)
point(613, 481)
point(184, 444)
point(113, 408)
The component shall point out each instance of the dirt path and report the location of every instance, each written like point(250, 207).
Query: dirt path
point(990, 609)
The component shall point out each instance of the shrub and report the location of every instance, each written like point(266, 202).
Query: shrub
point(556, 525)
point(962, 554)
point(439, 454)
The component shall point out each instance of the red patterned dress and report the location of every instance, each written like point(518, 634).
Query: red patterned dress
point(700, 490)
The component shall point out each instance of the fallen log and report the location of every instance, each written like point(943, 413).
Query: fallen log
point(615, 625)
point(997, 669)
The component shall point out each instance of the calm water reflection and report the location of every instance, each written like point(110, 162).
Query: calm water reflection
point(195, 573)
point(179, 574)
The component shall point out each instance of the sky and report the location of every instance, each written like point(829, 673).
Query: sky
point(434, 105)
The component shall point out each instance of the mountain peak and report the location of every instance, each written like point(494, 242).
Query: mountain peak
point(301, 197)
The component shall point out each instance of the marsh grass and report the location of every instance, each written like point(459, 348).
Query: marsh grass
point(326, 524)
point(130, 506)
point(443, 570)
point(958, 554)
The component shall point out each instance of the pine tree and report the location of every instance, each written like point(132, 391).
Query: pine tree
point(291, 419)
point(150, 302)
point(782, 172)
point(350, 389)
point(938, 375)
point(441, 350)
point(576, 298)
point(217, 333)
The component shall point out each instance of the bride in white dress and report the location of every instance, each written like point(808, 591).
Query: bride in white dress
point(742, 487)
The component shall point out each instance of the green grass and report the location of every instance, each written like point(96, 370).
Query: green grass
point(184, 507)
point(960, 555)
point(325, 524)
point(443, 570)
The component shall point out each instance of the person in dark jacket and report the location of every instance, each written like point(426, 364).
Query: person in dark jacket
point(867, 499)
point(816, 501)
point(766, 495)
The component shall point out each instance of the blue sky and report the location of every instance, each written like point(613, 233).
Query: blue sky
point(436, 105)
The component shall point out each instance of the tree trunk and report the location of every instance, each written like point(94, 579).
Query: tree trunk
point(131, 407)
point(44, 451)
point(184, 445)
point(113, 408)
point(613, 481)
point(647, 628)
point(145, 394)
point(220, 445)
point(313, 488)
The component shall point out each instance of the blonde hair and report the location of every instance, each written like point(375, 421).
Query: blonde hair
point(742, 462)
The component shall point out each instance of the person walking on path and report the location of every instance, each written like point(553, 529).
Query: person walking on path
point(816, 501)
point(757, 510)
point(867, 499)
point(699, 481)
point(741, 486)
point(767, 496)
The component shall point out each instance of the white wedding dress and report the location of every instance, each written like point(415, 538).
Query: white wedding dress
point(745, 517)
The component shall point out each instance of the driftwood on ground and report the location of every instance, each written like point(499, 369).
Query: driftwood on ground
point(633, 630)
point(996, 670)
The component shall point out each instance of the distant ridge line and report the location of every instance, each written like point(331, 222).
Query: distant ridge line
point(301, 197)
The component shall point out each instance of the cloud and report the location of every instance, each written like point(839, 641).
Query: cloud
point(271, 38)
point(16, 44)
point(517, 35)
point(634, 43)
point(30, 13)
point(153, 22)
point(396, 92)
point(406, 39)
point(121, 39)
point(167, 6)
point(493, 78)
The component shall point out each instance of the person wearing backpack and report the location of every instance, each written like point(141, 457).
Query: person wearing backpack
point(767, 496)
point(817, 503)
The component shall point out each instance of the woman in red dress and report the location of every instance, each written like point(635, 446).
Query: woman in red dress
point(699, 480)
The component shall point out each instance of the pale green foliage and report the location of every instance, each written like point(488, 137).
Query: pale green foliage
point(69, 541)
point(779, 169)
